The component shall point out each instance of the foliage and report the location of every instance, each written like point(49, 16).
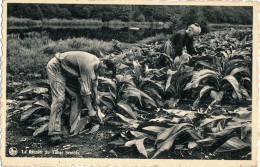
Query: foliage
point(178, 77)
point(156, 38)
point(220, 68)
point(34, 110)
point(22, 53)
point(34, 107)
point(132, 89)
point(142, 100)
point(182, 15)
point(188, 131)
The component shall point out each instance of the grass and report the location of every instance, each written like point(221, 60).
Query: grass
point(226, 26)
point(31, 54)
point(12, 21)
point(229, 25)
point(157, 37)
point(114, 23)
point(65, 22)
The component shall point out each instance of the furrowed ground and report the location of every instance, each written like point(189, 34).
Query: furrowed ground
point(192, 107)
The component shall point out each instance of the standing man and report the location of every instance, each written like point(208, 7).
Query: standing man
point(184, 38)
point(74, 65)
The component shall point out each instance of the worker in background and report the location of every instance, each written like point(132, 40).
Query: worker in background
point(184, 38)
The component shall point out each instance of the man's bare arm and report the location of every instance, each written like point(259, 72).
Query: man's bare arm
point(87, 102)
point(94, 86)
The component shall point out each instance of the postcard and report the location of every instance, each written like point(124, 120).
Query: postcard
point(129, 83)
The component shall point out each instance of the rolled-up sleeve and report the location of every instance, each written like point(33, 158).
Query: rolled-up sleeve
point(88, 80)
point(85, 85)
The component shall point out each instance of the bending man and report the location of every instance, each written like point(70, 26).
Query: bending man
point(70, 66)
point(184, 38)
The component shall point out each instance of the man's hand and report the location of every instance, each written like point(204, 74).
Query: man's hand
point(87, 101)
point(92, 113)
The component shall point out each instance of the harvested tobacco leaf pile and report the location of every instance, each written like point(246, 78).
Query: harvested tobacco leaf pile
point(192, 107)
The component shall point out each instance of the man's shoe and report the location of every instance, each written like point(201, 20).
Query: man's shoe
point(55, 140)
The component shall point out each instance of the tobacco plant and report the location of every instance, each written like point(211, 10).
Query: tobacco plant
point(222, 76)
point(141, 100)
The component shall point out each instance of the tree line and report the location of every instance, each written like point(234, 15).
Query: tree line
point(179, 15)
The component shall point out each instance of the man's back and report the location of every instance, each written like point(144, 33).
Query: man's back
point(77, 63)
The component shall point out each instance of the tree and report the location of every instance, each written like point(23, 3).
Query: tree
point(32, 11)
point(49, 11)
point(160, 13)
point(81, 11)
point(63, 13)
point(124, 13)
point(148, 13)
point(140, 18)
point(195, 14)
point(180, 16)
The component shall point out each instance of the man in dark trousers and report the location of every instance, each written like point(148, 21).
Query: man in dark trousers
point(74, 66)
point(184, 38)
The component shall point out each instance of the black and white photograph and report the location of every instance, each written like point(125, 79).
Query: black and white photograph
point(130, 81)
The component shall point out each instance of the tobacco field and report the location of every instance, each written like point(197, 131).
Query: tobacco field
point(190, 107)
